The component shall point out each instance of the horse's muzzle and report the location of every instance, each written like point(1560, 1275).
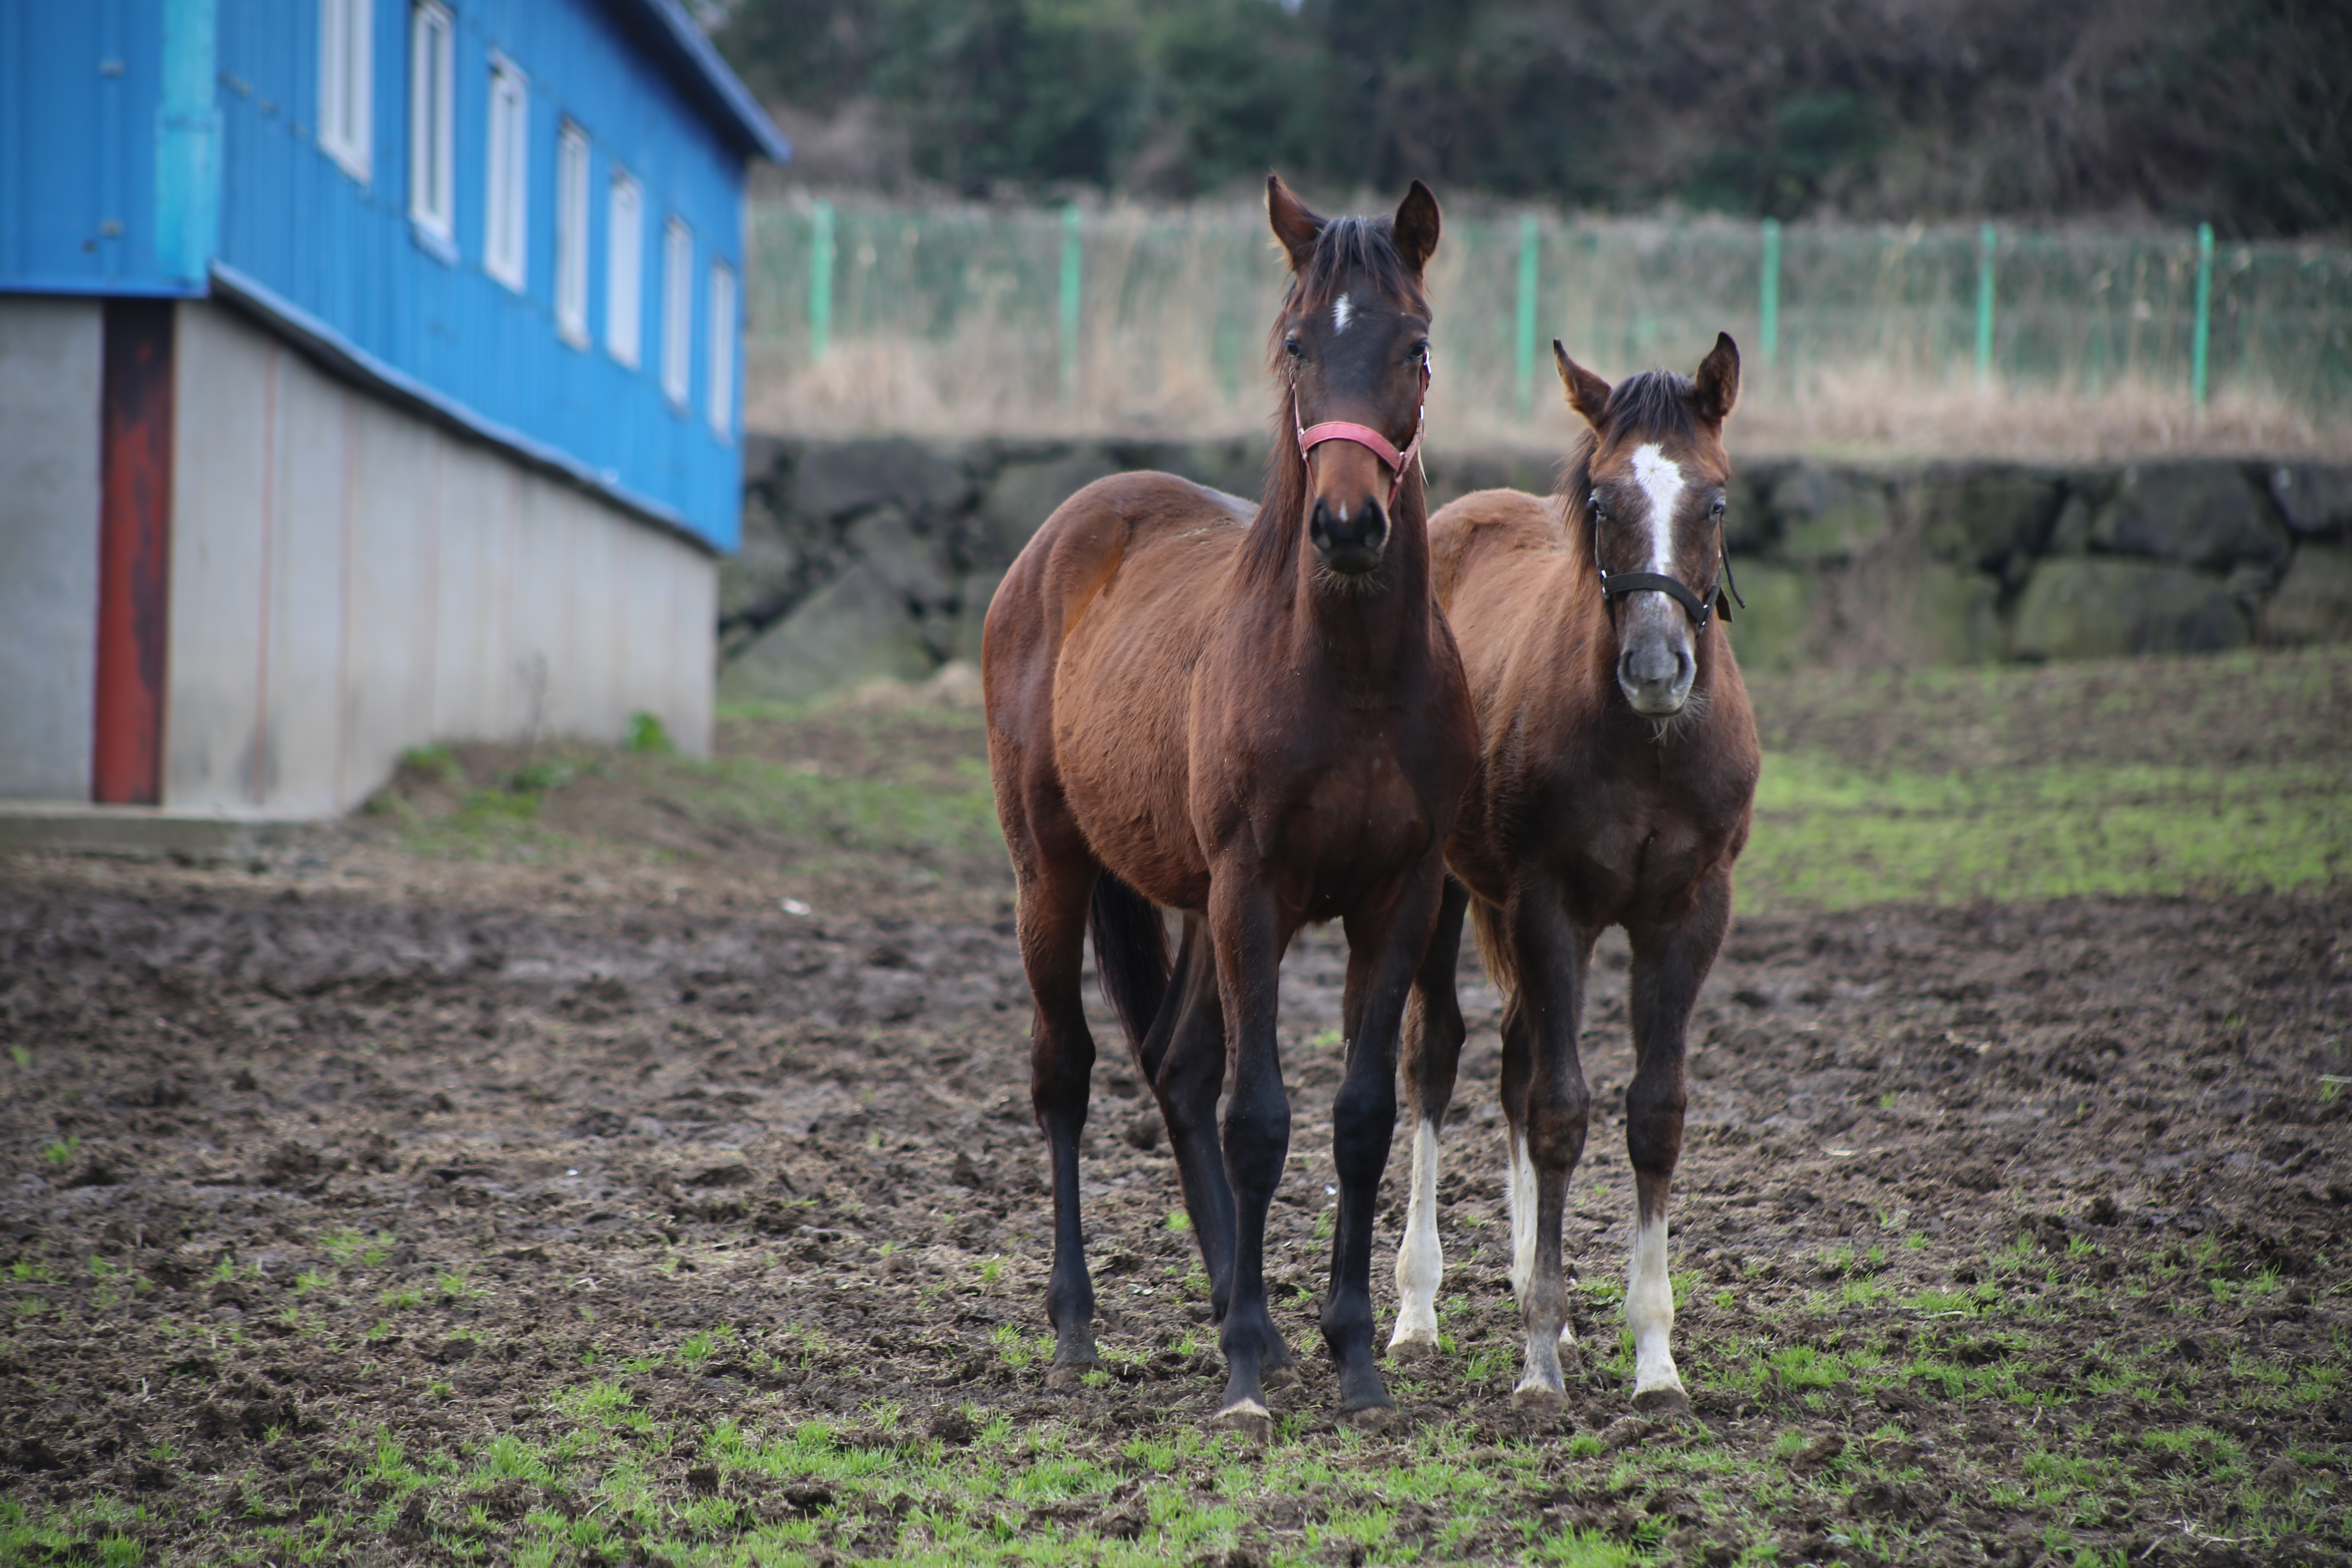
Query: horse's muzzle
point(1349, 542)
point(1655, 673)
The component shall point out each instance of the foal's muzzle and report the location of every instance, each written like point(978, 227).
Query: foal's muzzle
point(1349, 542)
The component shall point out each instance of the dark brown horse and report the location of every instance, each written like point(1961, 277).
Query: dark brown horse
point(1618, 766)
point(1259, 722)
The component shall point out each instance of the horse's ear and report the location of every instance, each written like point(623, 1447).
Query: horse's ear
point(1587, 392)
point(1717, 386)
point(1416, 227)
point(1294, 225)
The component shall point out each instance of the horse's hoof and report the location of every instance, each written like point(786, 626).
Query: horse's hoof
point(1069, 1375)
point(1284, 1375)
point(1415, 1347)
point(1370, 1418)
point(1248, 1417)
point(1670, 1402)
point(1538, 1398)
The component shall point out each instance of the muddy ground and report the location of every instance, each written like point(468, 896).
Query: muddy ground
point(338, 1146)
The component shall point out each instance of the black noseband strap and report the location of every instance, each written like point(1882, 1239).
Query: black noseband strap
point(1617, 585)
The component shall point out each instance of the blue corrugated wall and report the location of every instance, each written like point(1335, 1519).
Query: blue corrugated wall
point(87, 100)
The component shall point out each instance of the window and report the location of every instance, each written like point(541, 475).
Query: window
point(345, 101)
point(624, 268)
point(722, 349)
point(677, 310)
point(432, 123)
point(571, 234)
point(503, 224)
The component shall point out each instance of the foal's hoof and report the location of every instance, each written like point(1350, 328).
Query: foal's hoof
point(1668, 1401)
point(1068, 1376)
point(1413, 1348)
point(1370, 1418)
point(1538, 1398)
point(1248, 1417)
point(1278, 1375)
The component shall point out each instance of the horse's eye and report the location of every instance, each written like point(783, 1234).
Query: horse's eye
point(1717, 510)
point(1418, 353)
point(1293, 348)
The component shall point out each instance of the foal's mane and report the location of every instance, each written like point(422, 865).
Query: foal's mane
point(1344, 247)
point(1655, 404)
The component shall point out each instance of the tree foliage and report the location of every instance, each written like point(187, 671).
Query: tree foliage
point(2231, 110)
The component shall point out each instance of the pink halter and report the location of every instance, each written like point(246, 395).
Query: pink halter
point(1366, 437)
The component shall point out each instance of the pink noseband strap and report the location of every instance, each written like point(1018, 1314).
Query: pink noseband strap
point(1310, 438)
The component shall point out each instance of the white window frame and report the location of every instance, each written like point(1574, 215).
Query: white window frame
point(506, 196)
point(347, 83)
point(624, 268)
point(433, 125)
point(678, 312)
point(571, 161)
point(721, 370)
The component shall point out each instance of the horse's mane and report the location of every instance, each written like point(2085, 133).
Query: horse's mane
point(1654, 403)
point(1345, 247)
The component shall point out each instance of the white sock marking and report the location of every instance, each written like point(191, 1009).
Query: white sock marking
point(1520, 1183)
point(1421, 1262)
point(1650, 1309)
point(1341, 311)
point(1661, 480)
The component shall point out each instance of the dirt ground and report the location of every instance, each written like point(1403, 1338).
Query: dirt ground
point(355, 1145)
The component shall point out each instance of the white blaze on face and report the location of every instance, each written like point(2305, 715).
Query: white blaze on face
point(1661, 478)
point(1420, 1264)
point(1650, 1309)
point(1340, 313)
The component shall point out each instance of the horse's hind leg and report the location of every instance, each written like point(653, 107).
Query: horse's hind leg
point(1671, 959)
point(1548, 1109)
point(1432, 1051)
point(1054, 893)
point(1183, 1059)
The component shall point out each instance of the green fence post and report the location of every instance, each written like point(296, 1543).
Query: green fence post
point(1985, 241)
point(1530, 243)
point(1071, 257)
point(820, 301)
point(1767, 295)
point(2204, 341)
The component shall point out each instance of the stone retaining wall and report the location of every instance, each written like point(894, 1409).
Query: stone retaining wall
point(877, 557)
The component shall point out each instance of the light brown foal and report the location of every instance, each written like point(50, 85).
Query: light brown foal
point(1617, 765)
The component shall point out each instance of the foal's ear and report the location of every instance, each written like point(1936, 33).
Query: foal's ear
point(1717, 386)
point(1416, 227)
point(1294, 225)
point(1587, 392)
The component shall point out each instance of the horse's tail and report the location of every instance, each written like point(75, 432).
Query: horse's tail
point(1494, 947)
point(1131, 952)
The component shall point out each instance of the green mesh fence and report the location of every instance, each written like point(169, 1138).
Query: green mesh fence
point(1012, 319)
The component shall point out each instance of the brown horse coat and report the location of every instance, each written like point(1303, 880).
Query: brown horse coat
point(1618, 763)
point(1260, 722)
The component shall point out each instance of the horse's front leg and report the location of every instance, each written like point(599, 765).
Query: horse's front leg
point(1671, 958)
point(1548, 1109)
point(1247, 935)
point(1432, 1052)
point(1183, 1058)
point(1385, 951)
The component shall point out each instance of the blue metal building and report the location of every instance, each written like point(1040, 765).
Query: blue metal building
point(514, 226)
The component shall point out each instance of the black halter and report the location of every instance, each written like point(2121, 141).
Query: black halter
point(1615, 585)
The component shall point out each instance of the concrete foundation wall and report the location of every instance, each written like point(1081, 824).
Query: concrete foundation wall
point(348, 581)
point(49, 379)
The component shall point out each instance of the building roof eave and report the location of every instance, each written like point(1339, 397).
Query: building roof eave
point(665, 25)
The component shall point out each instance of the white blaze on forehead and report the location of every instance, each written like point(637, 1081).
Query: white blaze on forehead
point(1341, 311)
point(1661, 478)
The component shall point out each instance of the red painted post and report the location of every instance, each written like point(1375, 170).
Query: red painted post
point(134, 552)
